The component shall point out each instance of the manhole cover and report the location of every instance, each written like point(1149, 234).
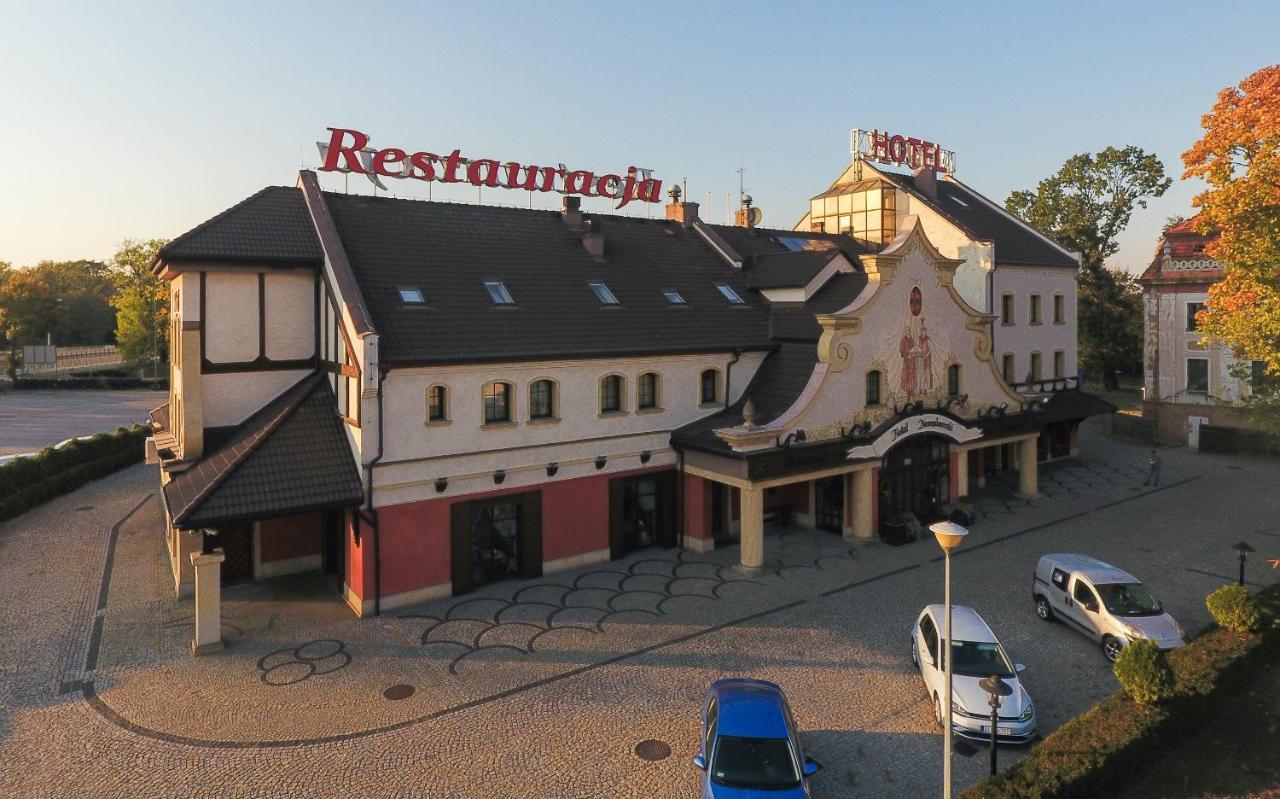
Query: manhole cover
point(397, 692)
point(652, 750)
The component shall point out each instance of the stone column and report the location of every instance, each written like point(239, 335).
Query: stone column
point(208, 568)
point(752, 530)
point(863, 496)
point(1028, 483)
point(189, 544)
point(962, 476)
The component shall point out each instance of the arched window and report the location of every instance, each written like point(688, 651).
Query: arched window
point(710, 386)
point(438, 404)
point(542, 399)
point(953, 380)
point(647, 391)
point(873, 387)
point(611, 394)
point(497, 402)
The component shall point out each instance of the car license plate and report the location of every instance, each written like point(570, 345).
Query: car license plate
point(986, 728)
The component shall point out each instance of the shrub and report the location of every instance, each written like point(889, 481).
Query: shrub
point(1233, 609)
point(1143, 672)
point(52, 472)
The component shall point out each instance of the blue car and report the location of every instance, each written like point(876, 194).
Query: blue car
point(750, 749)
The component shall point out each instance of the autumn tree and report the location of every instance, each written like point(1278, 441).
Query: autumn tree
point(1084, 207)
point(141, 302)
point(1239, 157)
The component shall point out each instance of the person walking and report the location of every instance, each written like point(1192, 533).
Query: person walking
point(1153, 469)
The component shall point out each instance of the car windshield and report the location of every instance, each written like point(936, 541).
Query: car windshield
point(758, 763)
point(980, 659)
point(1129, 599)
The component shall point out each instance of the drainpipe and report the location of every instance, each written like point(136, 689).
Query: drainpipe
point(728, 372)
point(373, 512)
point(681, 499)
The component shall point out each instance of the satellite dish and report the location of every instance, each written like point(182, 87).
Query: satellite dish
point(756, 216)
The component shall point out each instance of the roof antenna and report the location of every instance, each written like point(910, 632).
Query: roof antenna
point(741, 190)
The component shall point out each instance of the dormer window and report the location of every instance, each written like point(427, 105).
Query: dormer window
point(729, 293)
point(603, 294)
point(673, 296)
point(411, 295)
point(499, 292)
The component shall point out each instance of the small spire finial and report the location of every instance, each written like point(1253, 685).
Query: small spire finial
point(749, 413)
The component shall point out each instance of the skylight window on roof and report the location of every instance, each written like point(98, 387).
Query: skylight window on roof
point(499, 292)
point(603, 294)
point(958, 199)
point(729, 293)
point(797, 244)
point(411, 296)
point(673, 296)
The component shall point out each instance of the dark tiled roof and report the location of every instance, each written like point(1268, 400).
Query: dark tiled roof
point(787, 269)
point(448, 250)
point(751, 241)
point(1015, 244)
point(772, 390)
point(796, 322)
point(271, 227)
point(1070, 405)
point(292, 456)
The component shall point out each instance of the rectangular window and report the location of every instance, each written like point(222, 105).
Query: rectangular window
point(648, 390)
point(1193, 308)
point(436, 404)
point(1198, 375)
point(709, 392)
point(1006, 368)
point(673, 297)
point(411, 296)
point(729, 293)
point(497, 403)
point(1006, 309)
point(498, 292)
point(1035, 367)
point(1059, 364)
point(603, 294)
point(541, 404)
point(611, 394)
point(953, 380)
point(873, 387)
point(1035, 309)
point(1059, 309)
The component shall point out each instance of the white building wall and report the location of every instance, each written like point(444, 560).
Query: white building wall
point(1167, 374)
point(1021, 338)
point(979, 256)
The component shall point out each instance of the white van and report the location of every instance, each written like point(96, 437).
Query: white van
point(1103, 602)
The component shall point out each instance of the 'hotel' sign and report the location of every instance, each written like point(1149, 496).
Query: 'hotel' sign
point(348, 151)
point(877, 145)
point(934, 423)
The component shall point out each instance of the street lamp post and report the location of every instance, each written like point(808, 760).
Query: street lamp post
point(1244, 549)
point(995, 688)
point(949, 536)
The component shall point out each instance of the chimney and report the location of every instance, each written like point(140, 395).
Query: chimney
point(746, 216)
point(927, 182)
point(572, 212)
point(592, 239)
point(684, 213)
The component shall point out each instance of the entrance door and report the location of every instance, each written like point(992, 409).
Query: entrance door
point(333, 553)
point(641, 513)
point(828, 495)
point(236, 541)
point(915, 478)
point(496, 539)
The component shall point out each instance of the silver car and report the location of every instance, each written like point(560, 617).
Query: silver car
point(1105, 603)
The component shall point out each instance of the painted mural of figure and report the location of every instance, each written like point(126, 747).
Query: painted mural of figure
point(914, 349)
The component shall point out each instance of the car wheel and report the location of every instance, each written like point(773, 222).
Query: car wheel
point(1111, 647)
point(937, 711)
point(1043, 610)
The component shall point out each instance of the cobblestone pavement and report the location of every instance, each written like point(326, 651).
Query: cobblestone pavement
point(32, 420)
point(543, 688)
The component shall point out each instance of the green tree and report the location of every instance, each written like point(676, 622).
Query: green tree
point(28, 308)
point(1084, 207)
point(141, 301)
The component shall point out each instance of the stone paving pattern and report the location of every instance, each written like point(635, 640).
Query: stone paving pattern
point(543, 688)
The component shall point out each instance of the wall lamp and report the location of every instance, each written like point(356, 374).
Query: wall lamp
point(860, 429)
point(499, 476)
point(794, 437)
point(601, 461)
point(645, 456)
point(441, 484)
point(552, 468)
point(994, 410)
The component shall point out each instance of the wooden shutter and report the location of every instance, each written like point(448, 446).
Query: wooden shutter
point(460, 547)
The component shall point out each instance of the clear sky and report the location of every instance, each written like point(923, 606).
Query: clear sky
point(130, 120)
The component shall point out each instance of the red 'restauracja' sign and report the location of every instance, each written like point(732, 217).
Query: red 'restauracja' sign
point(348, 151)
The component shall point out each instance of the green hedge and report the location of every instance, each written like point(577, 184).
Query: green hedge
point(28, 482)
point(1101, 749)
point(101, 382)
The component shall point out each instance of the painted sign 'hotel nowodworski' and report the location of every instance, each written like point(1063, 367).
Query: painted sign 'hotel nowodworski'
point(425, 397)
